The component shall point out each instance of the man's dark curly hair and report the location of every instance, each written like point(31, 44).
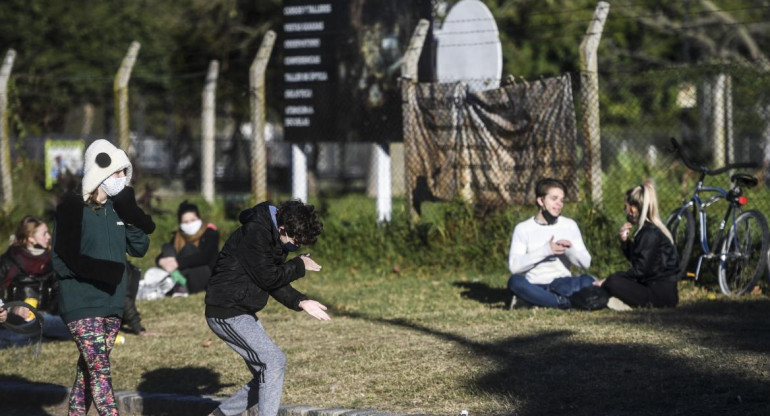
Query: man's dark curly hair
point(300, 221)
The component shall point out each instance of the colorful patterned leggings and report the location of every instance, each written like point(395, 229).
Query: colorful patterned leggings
point(94, 338)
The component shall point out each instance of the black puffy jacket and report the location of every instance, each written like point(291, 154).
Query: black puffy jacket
point(252, 266)
point(652, 255)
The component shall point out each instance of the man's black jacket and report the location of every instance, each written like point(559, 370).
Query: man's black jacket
point(652, 255)
point(251, 266)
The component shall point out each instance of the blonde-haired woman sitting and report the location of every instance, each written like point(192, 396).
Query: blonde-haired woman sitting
point(654, 273)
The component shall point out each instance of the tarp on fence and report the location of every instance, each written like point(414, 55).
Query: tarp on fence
point(488, 147)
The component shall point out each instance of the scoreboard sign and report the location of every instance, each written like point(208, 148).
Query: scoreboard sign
point(340, 63)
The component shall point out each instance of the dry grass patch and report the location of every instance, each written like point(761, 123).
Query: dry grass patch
point(425, 343)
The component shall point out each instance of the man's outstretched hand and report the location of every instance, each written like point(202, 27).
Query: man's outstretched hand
point(315, 309)
point(310, 264)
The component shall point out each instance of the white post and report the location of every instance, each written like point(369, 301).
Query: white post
point(589, 91)
point(5, 145)
point(384, 193)
point(298, 173)
point(258, 112)
point(120, 89)
point(730, 136)
point(208, 131)
point(718, 122)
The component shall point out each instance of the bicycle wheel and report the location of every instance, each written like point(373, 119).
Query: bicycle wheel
point(743, 255)
point(682, 227)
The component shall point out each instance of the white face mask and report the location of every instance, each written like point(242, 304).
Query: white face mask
point(112, 185)
point(190, 228)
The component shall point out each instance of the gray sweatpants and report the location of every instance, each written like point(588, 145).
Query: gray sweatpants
point(265, 360)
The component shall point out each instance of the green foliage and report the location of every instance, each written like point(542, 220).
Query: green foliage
point(449, 236)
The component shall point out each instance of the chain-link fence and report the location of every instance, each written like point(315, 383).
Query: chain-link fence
point(720, 114)
point(464, 144)
point(462, 140)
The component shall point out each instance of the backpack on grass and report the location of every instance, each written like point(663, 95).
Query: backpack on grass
point(590, 298)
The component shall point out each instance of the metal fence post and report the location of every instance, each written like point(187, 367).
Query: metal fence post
point(5, 145)
point(208, 130)
point(258, 111)
point(120, 89)
point(589, 92)
point(408, 98)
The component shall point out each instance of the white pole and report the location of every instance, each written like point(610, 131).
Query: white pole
point(718, 123)
point(384, 194)
point(5, 146)
point(589, 90)
point(258, 114)
point(408, 98)
point(208, 121)
point(729, 119)
point(120, 88)
point(298, 173)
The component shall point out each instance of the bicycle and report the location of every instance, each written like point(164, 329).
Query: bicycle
point(742, 253)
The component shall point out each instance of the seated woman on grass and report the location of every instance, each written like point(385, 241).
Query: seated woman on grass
point(26, 274)
point(654, 273)
point(190, 255)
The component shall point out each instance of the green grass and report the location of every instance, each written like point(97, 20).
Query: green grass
point(420, 325)
point(440, 342)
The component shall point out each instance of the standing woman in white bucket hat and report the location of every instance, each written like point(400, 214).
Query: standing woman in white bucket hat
point(94, 231)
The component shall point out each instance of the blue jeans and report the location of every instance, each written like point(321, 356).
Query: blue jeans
point(53, 328)
point(552, 295)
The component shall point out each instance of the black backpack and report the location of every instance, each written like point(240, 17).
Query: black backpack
point(590, 298)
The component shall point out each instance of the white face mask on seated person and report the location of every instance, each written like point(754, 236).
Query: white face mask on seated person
point(192, 227)
point(113, 185)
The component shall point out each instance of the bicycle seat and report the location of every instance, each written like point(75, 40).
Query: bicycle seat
point(744, 180)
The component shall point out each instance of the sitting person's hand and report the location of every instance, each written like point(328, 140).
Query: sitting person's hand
point(559, 247)
point(22, 312)
point(3, 315)
point(168, 264)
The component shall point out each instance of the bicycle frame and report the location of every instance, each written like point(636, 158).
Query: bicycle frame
point(708, 251)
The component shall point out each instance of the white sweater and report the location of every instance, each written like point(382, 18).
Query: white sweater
point(530, 252)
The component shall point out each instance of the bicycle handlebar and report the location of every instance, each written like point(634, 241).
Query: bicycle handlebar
point(706, 171)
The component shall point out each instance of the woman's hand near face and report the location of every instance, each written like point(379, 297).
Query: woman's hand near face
point(625, 231)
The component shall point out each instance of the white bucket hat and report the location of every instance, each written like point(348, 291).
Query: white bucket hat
point(101, 160)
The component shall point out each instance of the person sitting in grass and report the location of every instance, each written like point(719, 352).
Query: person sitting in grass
point(250, 268)
point(26, 274)
point(190, 255)
point(542, 250)
point(654, 273)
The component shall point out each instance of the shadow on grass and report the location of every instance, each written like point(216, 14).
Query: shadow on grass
point(737, 324)
point(20, 396)
point(483, 293)
point(552, 373)
point(191, 381)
